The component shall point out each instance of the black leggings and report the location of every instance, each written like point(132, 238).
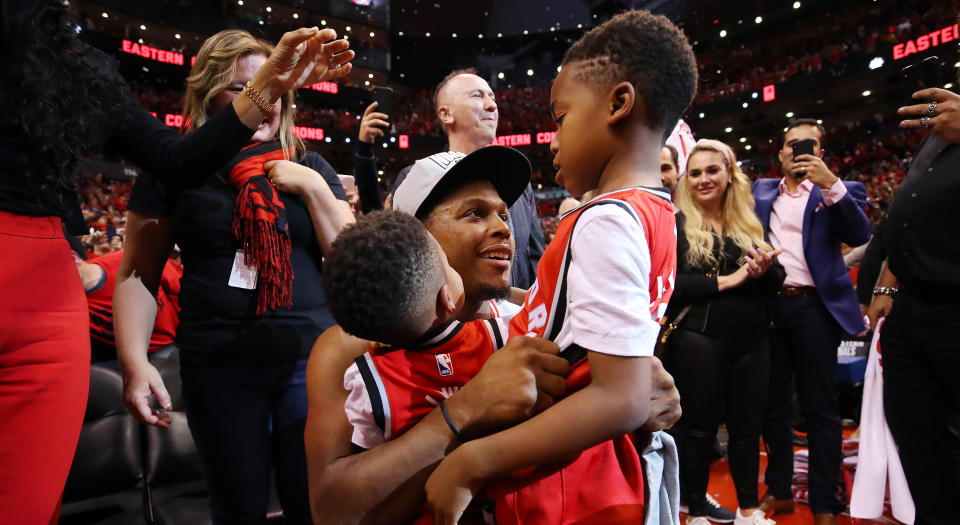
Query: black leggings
point(713, 373)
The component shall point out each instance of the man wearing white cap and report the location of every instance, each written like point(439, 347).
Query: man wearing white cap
point(462, 200)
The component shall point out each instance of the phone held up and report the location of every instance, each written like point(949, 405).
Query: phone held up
point(922, 75)
point(383, 96)
point(802, 147)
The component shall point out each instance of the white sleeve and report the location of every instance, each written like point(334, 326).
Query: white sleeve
point(506, 309)
point(359, 410)
point(608, 292)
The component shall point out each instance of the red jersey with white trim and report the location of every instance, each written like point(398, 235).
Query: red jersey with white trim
point(603, 484)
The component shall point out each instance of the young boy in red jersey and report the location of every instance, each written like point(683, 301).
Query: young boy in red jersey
point(601, 287)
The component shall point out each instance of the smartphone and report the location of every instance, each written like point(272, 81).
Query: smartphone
point(922, 75)
point(383, 96)
point(348, 182)
point(803, 147)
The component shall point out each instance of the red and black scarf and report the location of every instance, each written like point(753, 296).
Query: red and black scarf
point(260, 222)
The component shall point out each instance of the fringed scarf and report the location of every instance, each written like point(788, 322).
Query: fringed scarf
point(260, 222)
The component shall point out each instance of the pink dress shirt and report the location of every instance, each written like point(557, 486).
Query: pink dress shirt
point(786, 228)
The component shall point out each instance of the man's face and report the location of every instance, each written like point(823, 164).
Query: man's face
point(668, 170)
point(793, 135)
point(580, 142)
point(471, 227)
point(468, 108)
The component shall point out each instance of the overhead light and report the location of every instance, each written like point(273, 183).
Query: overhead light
point(558, 68)
point(702, 115)
point(948, 85)
point(796, 5)
point(296, 15)
point(143, 27)
point(428, 35)
point(723, 33)
point(529, 72)
point(789, 114)
point(739, 163)
point(754, 95)
point(743, 139)
point(348, 28)
point(745, 105)
point(454, 35)
point(876, 63)
point(366, 82)
point(140, 40)
point(748, 147)
point(500, 75)
point(104, 15)
point(347, 140)
point(371, 34)
point(480, 36)
point(866, 93)
point(784, 130)
point(370, 75)
point(239, 2)
point(400, 33)
point(758, 19)
point(819, 121)
point(499, 35)
point(553, 28)
point(526, 32)
point(177, 36)
point(579, 26)
point(294, 106)
point(392, 139)
point(327, 139)
point(380, 172)
point(384, 144)
point(728, 129)
point(323, 22)
point(269, 9)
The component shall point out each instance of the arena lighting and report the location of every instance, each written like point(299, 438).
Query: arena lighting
point(796, 5)
point(166, 57)
point(819, 121)
point(366, 82)
point(104, 15)
point(143, 27)
point(579, 26)
point(529, 72)
point(743, 139)
point(922, 43)
point(758, 19)
point(876, 63)
point(526, 32)
point(380, 172)
point(269, 9)
point(558, 68)
point(454, 35)
point(327, 139)
point(348, 28)
point(702, 115)
point(428, 35)
point(723, 33)
point(866, 93)
point(371, 34)
point(499, 35)
point(323, 22)
point(728, 129)
point(754, 95)
point(384, 144)
point(392, 139)
point(948, 85)
point(957, 64)
point(552, 28)
point(239, 2)
point(769, 93)
point(347, 140)
point(370, 75)
point(404, 141)
point(400, 33)
point(480, 36)
point(295, 16)
point(177, 36)
point(745, 105)
point(500, 75)
point(789, 114)
point(748, 147)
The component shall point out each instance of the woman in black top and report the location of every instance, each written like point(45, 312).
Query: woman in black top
point(243, 355)
point(58, 99)
point(719, 355)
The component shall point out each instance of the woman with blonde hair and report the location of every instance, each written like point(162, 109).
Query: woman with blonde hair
point(252, 240)
point(719, 353)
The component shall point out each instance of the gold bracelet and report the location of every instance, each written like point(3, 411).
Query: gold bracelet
point(255, 96)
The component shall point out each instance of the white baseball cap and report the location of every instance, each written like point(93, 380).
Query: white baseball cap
point(506, 168)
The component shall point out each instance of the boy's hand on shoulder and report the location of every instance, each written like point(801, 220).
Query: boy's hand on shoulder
point(452, 485)
point(664, 399)
point(517, 381)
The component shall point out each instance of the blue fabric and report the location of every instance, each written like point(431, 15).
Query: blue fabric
point(824, 229)
point(246, 416)
point(661, 474)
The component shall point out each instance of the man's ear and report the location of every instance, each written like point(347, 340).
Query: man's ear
point(821, 153)
point(445, 115)
point(622, 100)
point(446, 304)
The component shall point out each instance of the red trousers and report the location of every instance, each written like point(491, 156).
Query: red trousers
point(44, 366)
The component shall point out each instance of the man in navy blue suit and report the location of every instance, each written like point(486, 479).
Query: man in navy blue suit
point(808, 213)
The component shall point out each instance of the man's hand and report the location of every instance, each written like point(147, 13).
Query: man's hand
point(945, 122)
point(815, 170)
point(516, 382)
point(880, 307)
point(451, 487)
point(373, 124)
point(664, 399)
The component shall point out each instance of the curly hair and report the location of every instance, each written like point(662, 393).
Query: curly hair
point(740, 223)
point(54, 100)
point(213, 72)
point(648, 51)
point(382, 276)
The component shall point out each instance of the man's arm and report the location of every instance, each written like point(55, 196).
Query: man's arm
point(385, 484)
point(852, 222)
point(882, 303)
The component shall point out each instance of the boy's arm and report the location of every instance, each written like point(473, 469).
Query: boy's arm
point(614, 403)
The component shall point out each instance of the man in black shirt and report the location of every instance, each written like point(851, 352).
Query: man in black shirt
point(920, 338)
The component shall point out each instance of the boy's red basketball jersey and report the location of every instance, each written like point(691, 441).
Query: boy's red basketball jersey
point(603, 484)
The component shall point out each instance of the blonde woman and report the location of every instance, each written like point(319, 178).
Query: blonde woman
point(719, 355)
point(251, 295)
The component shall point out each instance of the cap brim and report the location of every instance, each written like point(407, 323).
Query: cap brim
point(505, 168)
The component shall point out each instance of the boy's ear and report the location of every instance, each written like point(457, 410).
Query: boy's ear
point(622, 100)
point(446, 303)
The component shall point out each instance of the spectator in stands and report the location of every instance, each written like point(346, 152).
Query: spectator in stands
point(922, 331)
point(373, 124)
point(468, 114)
point(60, 98)
point(669, 167)
point(243, 348)
point(808, 213)
point(719, 353)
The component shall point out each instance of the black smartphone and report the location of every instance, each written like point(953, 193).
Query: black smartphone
point(803, 147)
point(383, 96)
point(922, 75)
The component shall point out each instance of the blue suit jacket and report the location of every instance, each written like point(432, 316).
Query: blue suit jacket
point(824, 229)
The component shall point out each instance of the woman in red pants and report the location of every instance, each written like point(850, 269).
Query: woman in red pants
point(58, 99)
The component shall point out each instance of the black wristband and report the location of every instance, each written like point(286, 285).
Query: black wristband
point(446, 417)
